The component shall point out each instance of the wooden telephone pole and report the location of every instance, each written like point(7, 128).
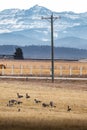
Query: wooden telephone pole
point(51, 19)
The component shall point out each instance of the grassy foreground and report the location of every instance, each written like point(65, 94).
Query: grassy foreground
point(32, 116)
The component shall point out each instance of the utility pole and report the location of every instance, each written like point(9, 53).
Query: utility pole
point(51, 19)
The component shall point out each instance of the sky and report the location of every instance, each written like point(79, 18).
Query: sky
point(77, 6)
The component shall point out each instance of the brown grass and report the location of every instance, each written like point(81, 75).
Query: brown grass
point(46, 65)
point(34, 116)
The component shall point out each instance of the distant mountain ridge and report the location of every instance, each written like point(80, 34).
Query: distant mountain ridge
point(25, 27)
point(44, 52)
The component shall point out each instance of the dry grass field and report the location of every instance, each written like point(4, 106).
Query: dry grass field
point(33, 116)
point(43, 67)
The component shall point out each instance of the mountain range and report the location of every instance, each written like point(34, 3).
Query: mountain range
point(26, 27)
point(44, 52)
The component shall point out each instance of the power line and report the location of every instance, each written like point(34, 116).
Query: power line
point(51, 19)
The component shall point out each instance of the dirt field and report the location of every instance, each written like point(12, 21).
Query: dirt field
point(30, 115)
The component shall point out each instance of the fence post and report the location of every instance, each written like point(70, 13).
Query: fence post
point(41, 70)
point(3, 70)
point(81, 71)
point(12, 71)
point(70, 70)
point(50, 71)
point(21, 69)
point(31, 70)
point(61, 68)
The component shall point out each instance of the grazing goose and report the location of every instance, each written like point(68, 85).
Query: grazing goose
point(19, 96)
point(45, 105)
point(12, 101)
point(52, 104)
point(37, 101)
point(68, 108)
point(27, 96)
point(19, 102)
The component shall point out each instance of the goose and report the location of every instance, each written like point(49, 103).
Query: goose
point(45, 105)
point(19, 96)
point(37, 101)
point(27, 96)
point(12, 101)
point(52, 104)
point(19, 102)
point(68, 108)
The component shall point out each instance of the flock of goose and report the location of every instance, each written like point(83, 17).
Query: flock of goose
point(17, 102)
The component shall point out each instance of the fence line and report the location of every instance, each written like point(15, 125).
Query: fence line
point(12, 72)
point(61, 70)
point(81, 71)
point(2, 70)
point(41, 70)
point(70, 70)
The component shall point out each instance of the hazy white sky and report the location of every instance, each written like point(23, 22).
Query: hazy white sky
point(55, 5)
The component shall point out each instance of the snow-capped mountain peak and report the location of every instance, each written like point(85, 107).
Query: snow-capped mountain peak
point(39, 10)
point(26, 26)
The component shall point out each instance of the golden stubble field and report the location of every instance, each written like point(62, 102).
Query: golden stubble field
point(38, 63)
point(43, 67)
point(33, 116)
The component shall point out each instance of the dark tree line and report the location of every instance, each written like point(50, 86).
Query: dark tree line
point(18, 54)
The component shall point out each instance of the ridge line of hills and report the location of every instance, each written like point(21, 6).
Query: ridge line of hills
point(44, 52)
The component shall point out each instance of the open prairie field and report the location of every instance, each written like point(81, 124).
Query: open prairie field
point(29, 114)
point(43, 67)
point(45, 63)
